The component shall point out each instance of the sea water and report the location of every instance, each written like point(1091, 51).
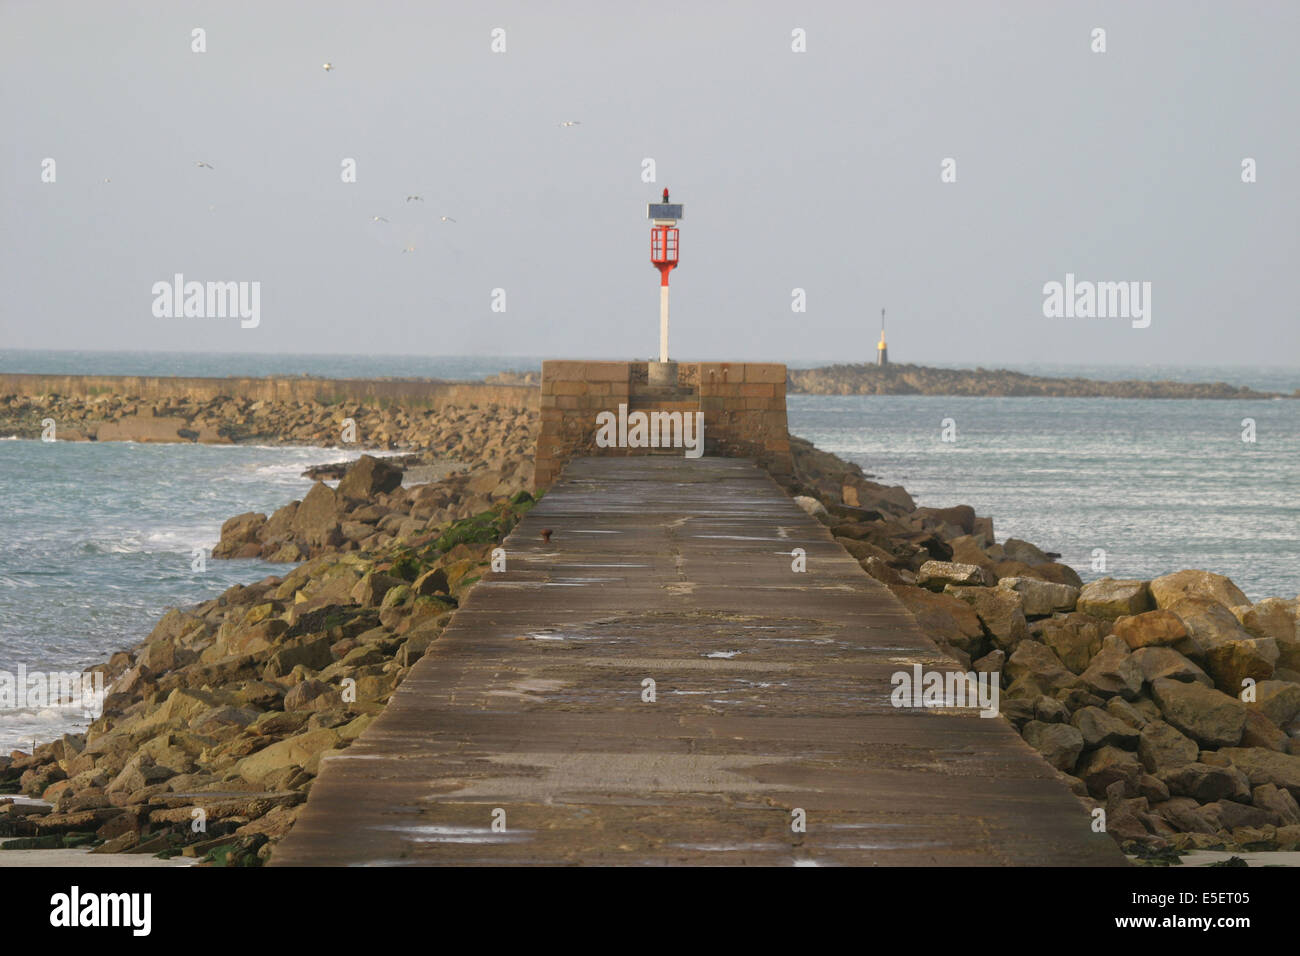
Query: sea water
point(1152, 486)
point(97, 540)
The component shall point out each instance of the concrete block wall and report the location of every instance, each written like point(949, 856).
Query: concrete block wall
point(743, 406)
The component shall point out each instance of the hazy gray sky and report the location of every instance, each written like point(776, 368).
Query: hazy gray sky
point(817, 170)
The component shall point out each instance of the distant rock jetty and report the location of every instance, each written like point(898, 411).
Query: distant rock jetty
point(922, 380)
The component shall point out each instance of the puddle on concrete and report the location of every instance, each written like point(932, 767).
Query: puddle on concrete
point(452, 834)
point(876, 846)
point(865, 826)
point(566, 636)
point(347, 755)
point(730, 847)
point(536, 584)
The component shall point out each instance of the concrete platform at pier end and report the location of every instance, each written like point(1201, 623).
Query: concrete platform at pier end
point(771, 694)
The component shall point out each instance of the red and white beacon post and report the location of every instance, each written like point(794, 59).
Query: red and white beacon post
point(663, 256)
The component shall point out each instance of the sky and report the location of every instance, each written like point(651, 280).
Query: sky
point(819, 170)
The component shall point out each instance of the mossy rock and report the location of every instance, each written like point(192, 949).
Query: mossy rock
point(396, 596)
point(480, 529)
point(242, 851)
point(407, 567)
point(52, 841)
point(431, 606)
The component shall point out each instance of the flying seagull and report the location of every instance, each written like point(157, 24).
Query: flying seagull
point(409, 249)
point(415, 199)
point(378, 219)
point(204, 165)
point(447, 219)
point(327, 67)
point(572, 123)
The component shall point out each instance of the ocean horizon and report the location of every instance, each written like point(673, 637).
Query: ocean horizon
point(1268, 378)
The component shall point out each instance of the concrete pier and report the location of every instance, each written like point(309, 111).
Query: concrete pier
point(771, 696)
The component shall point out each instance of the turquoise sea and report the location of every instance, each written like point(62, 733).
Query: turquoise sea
point(97, 540)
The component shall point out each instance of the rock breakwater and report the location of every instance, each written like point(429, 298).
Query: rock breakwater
point(921, 380)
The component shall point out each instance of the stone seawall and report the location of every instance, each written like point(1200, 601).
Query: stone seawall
point(410, 393)
point(742, 404)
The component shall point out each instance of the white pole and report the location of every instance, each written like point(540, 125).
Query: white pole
point(663, 323)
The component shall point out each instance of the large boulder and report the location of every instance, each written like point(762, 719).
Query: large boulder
point(1266, 766)
point(1206, 715)
point(371, 590)
point(1262, 732)
point(1051, 571)
point(369, 476)
point(1111, 599)
point(1076, 638)
point(961, 517)
point(1271, 617)
point(1039, 664)
point(1113, 671)
point(280, 525)
point(1158, 662)
point(1101, 729)
point(1106, 765)
point(1277, 700)
point(1151, 628)
point(966, 550)
point(936, 575)
point(1060, 744)
point(1208, 624)
point(1204, 783)
point(1184, 815)
point(316, 519)
point(1041, 598)
point(1232, 663)
point(1273, 798)
point(1232, 815)
point(1161, 747)
point(999, 611)
point(1016, 550)
point(1170, 588)
point(301, 751)
point(239, 536)
point(943, 617)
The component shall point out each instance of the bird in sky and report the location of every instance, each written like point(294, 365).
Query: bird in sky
point(409, 249)
point(572, 123)
point(447, 219)
point(378, 219)
point(327, 67)
point(204, 165)
point(415, 199)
